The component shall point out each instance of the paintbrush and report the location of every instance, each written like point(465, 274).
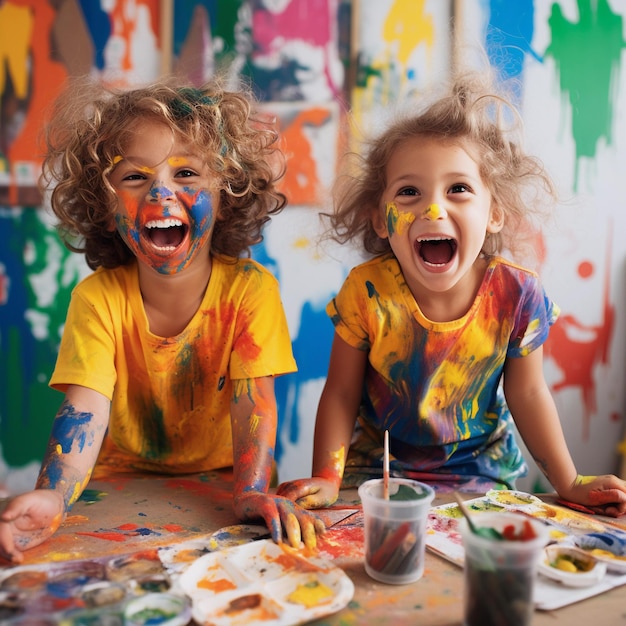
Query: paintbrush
point(386, 466)
point(487, 533)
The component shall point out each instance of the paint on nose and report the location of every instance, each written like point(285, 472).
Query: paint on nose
point(432, 212)
point(159, 192)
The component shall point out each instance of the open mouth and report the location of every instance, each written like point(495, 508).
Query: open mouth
point(166, 235)
point(436, 252)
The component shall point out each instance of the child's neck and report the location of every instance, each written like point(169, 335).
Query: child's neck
point(455, 303)
point(171, 301)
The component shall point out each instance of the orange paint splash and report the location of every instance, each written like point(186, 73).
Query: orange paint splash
point(216, 585)
point(46, 80)
point(301, 182)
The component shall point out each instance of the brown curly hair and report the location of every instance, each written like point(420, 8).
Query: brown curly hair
point(470, 114)
point(90, 124)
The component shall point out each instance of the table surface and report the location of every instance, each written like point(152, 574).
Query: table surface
point(126, 514)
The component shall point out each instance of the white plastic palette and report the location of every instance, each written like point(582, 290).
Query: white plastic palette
point(511, 499)
point(263, 582)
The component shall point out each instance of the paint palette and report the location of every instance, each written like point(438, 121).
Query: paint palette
point(571, 566)
point(99, 591)
point(607, 547)
point(263, 582)
point(512, 500)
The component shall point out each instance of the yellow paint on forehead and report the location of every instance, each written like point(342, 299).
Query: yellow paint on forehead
point(142, 168)
point(400, 219)
point(177, 161)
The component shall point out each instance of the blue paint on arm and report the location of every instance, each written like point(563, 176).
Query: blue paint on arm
point(71, 426)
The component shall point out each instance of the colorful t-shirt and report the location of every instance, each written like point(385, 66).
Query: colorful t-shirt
point(436, 385)
point(170, 397)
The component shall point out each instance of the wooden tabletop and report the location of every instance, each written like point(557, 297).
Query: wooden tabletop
point(127, 514)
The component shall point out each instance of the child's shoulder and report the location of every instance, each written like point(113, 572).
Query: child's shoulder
point(122, 278)
point(232, 269)
point(502, 264)
point(381, 263)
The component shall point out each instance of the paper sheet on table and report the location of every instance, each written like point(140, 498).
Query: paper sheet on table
point(444, 539)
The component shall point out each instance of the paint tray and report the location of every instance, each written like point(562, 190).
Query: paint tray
point(263, 582)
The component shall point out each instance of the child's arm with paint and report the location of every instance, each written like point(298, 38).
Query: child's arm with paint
point(77, 433)
point(336, 415)
point(535, 414)
point(254, 424)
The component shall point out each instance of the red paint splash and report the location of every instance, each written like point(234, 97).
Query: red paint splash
point(173, 528)
point(585, 269)
point(107, 536)
point(211, 491)
point(342, 541)
point(577, 358)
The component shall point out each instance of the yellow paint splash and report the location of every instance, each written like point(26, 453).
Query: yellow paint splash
point(584, 480)
point(432, 212)
point(310, 594)
point(79, 488)
point(176, 161)
point(337, 460)
point(397, 221)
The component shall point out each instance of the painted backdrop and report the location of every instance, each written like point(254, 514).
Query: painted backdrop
point(309, 62)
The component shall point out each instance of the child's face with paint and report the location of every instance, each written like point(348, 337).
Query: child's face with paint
point(437, 212)
point(167, 199)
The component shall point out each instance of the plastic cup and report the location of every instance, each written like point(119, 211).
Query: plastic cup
point(500, 574)
point(395, 529)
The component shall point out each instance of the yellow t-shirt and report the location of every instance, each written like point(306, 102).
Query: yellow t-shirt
point(170, 397)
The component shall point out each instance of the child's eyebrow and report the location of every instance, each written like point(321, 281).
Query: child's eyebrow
point(142, 168)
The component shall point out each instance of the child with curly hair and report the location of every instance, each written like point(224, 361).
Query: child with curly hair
point(171, 345)
point(438, 338)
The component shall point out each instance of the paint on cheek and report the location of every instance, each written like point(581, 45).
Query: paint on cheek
point(201, 213)
point(397, 221)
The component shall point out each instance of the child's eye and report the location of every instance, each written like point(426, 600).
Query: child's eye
point(186, 173)
point(459, 188)
point(408, 191)
point(134, 176)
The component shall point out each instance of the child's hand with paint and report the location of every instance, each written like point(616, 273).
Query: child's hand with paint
point(310, 493)
point(28, 520)
point(281, 513)
point(605, 495)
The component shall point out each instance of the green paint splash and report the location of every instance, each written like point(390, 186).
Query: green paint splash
point(587, 56)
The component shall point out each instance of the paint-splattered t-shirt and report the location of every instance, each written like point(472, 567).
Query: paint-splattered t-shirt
point(170, 409)
point(436, 385)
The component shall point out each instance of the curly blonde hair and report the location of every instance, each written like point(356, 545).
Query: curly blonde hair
point(90, 124)
point(470, 114)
